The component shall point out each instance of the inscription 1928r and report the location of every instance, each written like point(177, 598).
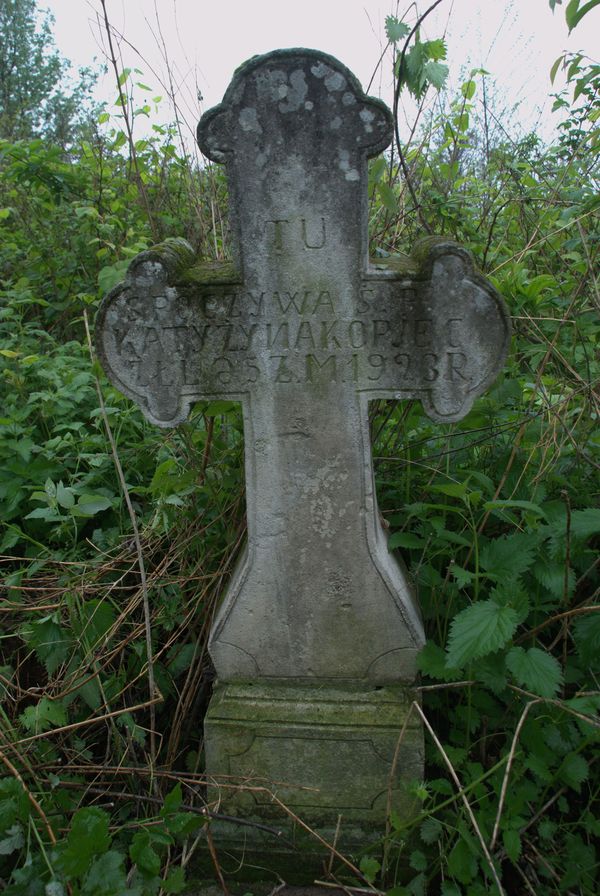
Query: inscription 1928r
point(304, 331)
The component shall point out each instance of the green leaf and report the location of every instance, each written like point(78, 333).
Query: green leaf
point(554, 69)
point(589, 705)
point(462, 577)
point(431, 830)
point(462, 864)
point(436, 73)
point(582, 524)
point(490, 670)
point(64, 496)
point(218, 408)
point(13, 840)
point(173, 800)
point(107, 877)
point(482, 628)
point(405, 540)
point(123, 76)
point(574, 771)
point(547, 829)
point(50, 489)
point(551, 574)
point(44, 513)
point(44, 715)
point(450, 889)
point(182, 824)
point(90, 505)
point(452, 489)
point(519, 505)
point(142, 853)
point(418, 860)
point(432, 661)
point(395, 29)
point(512, 845)
point(88, 836)
point(111, 275)
point(388, 197)
point(370, 867)
point(377, 169)
point(50, 642)
point(96, 618)
point(574, 14)
point(535, 669)
point(14, 805)
point(538, 768)
point(435, 49)
point(175, 882)
point(88, 689)
point(510, 556)
point(586, 634)
point(510, 595)
point(86, 211)
point(468, 89)
point(585, 523)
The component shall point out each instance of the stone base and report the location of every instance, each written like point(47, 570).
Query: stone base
point(324, 751)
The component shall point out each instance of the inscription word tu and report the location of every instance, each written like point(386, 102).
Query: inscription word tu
point(304, 331)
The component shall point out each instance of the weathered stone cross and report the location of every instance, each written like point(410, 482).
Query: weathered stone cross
point(304, 332)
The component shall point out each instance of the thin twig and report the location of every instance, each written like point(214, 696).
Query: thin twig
point(91, 721)
point(511, 757)
point(347, 889)
point(542, 811)
point(590, 720)
point(215, 861)
point(323, 841)
point(576, 611)
point(185, 807)
point(446, 685)
point(138, 546)
point(128, 125)
point(29, 795)
point(397, 90)
point(392, 776)
point(459, 787)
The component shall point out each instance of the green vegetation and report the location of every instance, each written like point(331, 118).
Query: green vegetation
point(113, 557)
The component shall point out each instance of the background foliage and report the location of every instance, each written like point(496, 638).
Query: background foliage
point(117, 539)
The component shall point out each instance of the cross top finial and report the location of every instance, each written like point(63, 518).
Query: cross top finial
point(295, 131)
point(301, 100)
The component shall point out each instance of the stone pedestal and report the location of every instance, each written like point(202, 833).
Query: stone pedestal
point(324, 750)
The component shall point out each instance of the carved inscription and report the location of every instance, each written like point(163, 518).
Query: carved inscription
point(306, 232)
point(230, 339)
point(303, 314)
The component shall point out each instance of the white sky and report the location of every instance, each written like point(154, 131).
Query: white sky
point(515, 40)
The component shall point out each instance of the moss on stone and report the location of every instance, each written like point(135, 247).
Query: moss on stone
point(205, 273)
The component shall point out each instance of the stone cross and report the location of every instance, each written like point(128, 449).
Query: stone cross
point(304, 331)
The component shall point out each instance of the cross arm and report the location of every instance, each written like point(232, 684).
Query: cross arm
point(439, 330)
point(175, 331)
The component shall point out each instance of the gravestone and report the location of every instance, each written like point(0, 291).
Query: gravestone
point(315, 642)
